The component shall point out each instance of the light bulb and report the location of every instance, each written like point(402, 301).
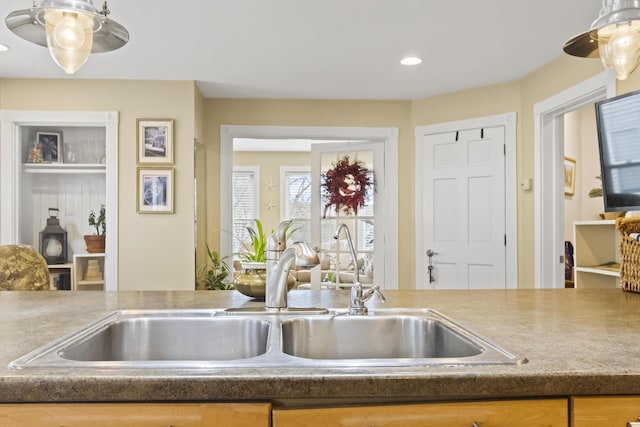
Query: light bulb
point(619, 47)
point(69, 38)
point(67, 33)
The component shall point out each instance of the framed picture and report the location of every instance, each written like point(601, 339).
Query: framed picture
point(49, 143)
point(569, 176)
point(155, 190)
point(155, 141)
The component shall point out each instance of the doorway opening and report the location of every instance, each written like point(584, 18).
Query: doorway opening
point(387, 136)
point(549, 173)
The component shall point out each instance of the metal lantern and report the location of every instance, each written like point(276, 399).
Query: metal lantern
point(53, 240)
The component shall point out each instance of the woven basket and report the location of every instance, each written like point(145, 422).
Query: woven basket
point(629, 254)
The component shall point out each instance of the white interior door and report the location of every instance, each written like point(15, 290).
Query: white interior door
point(464, 206)
point(367, 227)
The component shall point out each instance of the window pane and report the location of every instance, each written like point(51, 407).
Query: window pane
point(297, 185)
point(244, 206)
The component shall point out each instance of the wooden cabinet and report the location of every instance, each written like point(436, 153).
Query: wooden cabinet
point(521, 413)
point(61, 276)
point(597, 260)
point(136, 415)
point(596, 411)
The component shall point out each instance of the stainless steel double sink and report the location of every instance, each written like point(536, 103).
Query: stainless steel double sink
point(208, 339)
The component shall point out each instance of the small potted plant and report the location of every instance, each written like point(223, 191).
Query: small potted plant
point(215, 275)
point(96, 242)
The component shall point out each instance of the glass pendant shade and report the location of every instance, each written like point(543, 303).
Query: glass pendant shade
point(69, 38)
point(70, 29)
point(614, 37)
point(619, 47)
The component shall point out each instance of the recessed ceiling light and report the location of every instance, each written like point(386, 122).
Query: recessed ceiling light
point(4, 48)
point(411, 60)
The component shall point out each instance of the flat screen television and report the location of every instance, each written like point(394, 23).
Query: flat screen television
point(618, 123)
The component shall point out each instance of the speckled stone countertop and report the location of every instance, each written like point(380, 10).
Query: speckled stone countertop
point(578, 342)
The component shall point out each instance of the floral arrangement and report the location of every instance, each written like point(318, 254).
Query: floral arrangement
point(346, 186)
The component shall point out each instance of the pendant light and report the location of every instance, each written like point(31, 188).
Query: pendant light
point(614, 37)
point(71, 29)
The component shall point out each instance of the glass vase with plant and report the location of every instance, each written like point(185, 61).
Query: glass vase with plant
point(251, 280)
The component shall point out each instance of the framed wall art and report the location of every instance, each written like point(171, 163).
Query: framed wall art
point(155, 190)
point(49, 143)
point(155, 141)
point(569, 176)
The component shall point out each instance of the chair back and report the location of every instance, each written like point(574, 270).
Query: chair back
point(22, 268)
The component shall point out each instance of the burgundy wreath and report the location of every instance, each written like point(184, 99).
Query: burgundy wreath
point(346, 186)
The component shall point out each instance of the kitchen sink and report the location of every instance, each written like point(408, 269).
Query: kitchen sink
point(219, 339)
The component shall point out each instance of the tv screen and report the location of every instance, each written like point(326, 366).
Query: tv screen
point(618, 122)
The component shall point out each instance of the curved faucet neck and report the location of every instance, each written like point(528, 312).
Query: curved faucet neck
point(352, 250)
point(276, 287)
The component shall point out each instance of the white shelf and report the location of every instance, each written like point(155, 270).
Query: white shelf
point(90, 282)
point(596, 246)
point(596, 270)
point(51, 168)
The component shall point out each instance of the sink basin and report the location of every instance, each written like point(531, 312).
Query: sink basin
point(374, 337)
point(156, 339)
point(220, 339)
point(171, 338)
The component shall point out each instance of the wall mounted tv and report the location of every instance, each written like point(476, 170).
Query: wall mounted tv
point(618, 122)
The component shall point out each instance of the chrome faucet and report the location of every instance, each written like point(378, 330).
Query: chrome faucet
point(358, 295)
point(279, 260)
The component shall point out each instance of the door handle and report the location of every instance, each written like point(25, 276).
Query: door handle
point(430, 253)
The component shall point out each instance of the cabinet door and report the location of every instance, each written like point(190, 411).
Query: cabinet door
point(521, 413)
point(134, 415)
point(605, 411)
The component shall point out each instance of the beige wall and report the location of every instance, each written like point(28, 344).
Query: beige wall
point(167, 241)
point(155, 251)
point(518, 97)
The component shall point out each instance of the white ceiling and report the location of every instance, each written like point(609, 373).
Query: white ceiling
point(321, 49)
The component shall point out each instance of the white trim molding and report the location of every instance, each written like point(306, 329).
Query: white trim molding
point(549, 175)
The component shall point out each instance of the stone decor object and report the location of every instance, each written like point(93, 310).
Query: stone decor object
point(93, 270)
point(22, 268)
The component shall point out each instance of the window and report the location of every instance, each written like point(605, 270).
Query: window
point(296, 200)
point(245, 200)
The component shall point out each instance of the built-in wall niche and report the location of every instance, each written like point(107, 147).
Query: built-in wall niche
point(82, 175)
point(70, 178)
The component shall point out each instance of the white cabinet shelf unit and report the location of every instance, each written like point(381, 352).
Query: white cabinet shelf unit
point(597, 254)
point(77, 174)
point(88, 272)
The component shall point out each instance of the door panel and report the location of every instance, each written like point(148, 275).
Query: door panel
point(464, 209)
